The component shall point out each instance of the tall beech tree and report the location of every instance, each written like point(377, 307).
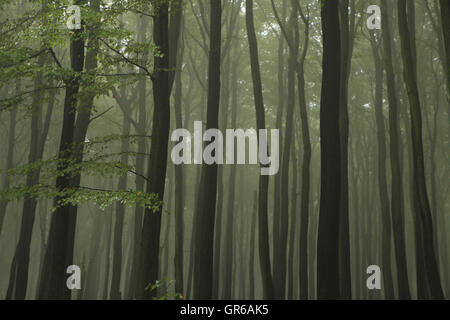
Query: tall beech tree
point(204, 237)
point(420, 189)
point(382, 180)
point(328, 274)
point(397, 197)
point(263, 238)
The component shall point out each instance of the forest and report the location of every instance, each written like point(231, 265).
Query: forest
point(223, 150)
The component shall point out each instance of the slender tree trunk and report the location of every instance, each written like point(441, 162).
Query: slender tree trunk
point(60, 246)
point(280, 257)
point(163, 79)
point(157, 165)
point(328, 234)
point(382, 182)
point(9, 162)
point(115, 293)
point(306, 164)
point(252, 249)
point(220, 186)
point(345, 284)
point(278, 124)
point(203, 265)
point(445, 20)
point(293, 224)
point(18, 283)
point(107, 248)
point(263, 237)
point(228, 237)
point(179, 187)
point(420, 190)
point(397, 198)
point(140, 166)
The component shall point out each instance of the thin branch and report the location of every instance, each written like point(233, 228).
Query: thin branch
point(100, 114)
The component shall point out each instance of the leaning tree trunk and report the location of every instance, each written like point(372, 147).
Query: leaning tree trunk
point(328, 234)
point(18, 281)
point(263, 232)
point(420, 189)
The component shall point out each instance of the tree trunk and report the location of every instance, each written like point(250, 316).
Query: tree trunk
point(293, 224)
point(345, 284)
point(328, 234)
point(203, 265)
point(252, 249)
point(179, 187)
point(397, 201)
point(263, 232)
point(18, 283)
point(445, 20)
point(157, 165)
point(306, 163)
point(140, 166)
point(382, 182)
point(9, 162)
point(420, 189)
point(115, 293)
point(228, 239)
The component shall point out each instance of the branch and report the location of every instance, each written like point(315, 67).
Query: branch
point(100, 114)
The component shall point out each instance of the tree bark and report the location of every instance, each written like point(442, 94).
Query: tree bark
point(328, 234)
point(157, 165)
point(397, 197)
point(382, 181)
point(203, 265)
point(344, 236)
point(445, 20)
point(263, 232)
point(306, 164)
point(9, 162)
point(115, 293)
point(420, 189)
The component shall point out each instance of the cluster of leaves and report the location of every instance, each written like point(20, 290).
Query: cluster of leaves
point(96, 163)
point(78, 195)
point(39, 29)
point(165, 289)
point(34, 40)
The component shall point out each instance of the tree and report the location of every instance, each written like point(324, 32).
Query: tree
point(397, 201)
point(204, 237)
point(382, 181)
point(263, 238)
point(328, 234)
point(59, 251)
point(420, 189)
